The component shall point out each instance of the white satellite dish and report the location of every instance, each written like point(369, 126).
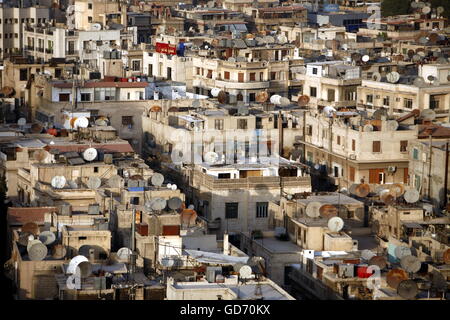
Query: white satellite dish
point(22, 121)
point(94, 182)
point(411, 196)
point(90, 154)
point(275, 99)
point(58, 182)
point(410, 263)
point(313, 209)
point(335, 224)
point(169, 186)
point(426, 10)
point(115, 181)
point(393, 77)
point(245, 272)
point(211, 157)
point(74, 263)
point(47, 237)
point(365, 58)
point(367, 254)
point(81, 122)
point(392, 125)
point(376, 76)
point(174, 187)
point(368, 128)
point(328, 110)
point(191, 207)
point(124, 254)
point(167, 262)
point(215, 92)
point(402, 251)
point(37, 251)
point(428, 114)
point(157, 179)
point(158, 204)
point(96, 27)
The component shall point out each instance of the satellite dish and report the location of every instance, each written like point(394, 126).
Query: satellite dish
point(215, 92)
point(419, 82)
point(31, 228)
point(41, 155)
point(174, 203)
point(24, 238)
point(368, 128)
point(81, 122)
point(282, 39)
point(423, 40)
point(210, 4)
point(303, 100)
point(440, 10)
point(411, 196)
point(410, 263)
point(416, 58)
point(211, 157)
point(441, 60)
point(58, 182)
point(58, 251)
point(231, 59)
point(275, 99)
point(47, 237)
point(157, 179)
point(101, 122)
point(397, 190)
point(379, 113)
point(367, 254)
point(115, 181)
point(222, 97)
point(407, 289)
point(438, 282)
point(37, 251)
point(428, 114)
point(352, 188)
point(284, 101)
point(123, 254)
point(243, 110)
point(426, 10)
point(167, 262)
point(328, 211)
point(191, 207)
point(90, 154)
point(392, 125)
point(376, 76)
point(269, 39)
point(365, 58)
point(362, 190)
point(313, 209)
point(73, 264)
point(36, 128)
point(386, 197)
point(94, 182)
point(402, 251)
point(245, 272)
point(158, 204)
point(379, 261)
point(395, 276)
point(174, 187)
point(85, 269)
point(335, 224)
point(22, 121)
point(262, 96)
point(393, 77)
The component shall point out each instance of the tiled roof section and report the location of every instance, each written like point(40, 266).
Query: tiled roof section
point(22, 215)
point(436, 131)
point(116, 147)
point(103, 84)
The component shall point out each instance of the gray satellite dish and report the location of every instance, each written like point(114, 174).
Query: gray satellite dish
point(352, 188)
point(22, 121)
point(402, 251)
point(167, 262)
point(335, 224)
point(159, 204)
point(393, 77)
point(174, 203)
point(428, 114)
point(211, 157)
point(85, 269)
point(438, 281)
point(426, 10)
point(123, 254)
point(367, 254)
point(115, 181)
point(269, 39)
point(423, 40)
point(72, 184)
point(379, 113)
point(37, 251)
point(245, 272)
point(58, 182)
point(157, 179)
point(148, 205)
point(419, 82)
point(191, 206)
point(441, 60)
point(31, 242)
point(410, 263)
point(94, 183)
point(284, 101)
point(196, 103)
point(368, 128)
point(392, 125)
point(416, 58)
point(376, 76)
point(90, 154)
point(313, 209)
point(47, 237)
point(411, 195)
point(407, 289)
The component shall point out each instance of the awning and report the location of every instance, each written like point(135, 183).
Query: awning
point(412, 225)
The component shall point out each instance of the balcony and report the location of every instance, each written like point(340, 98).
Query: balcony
point(48, 50)
point(249, 85)
point(72, 52)
point(40, 49)
point(29, 48)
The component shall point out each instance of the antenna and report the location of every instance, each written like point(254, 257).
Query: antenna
point(407, 289)
point(174, 203)
point(94, 182)
point(58, 182)
point(411, 196)
point(47, 237)
point(37, 251)
point(410, 263)
point(335, 224)
point(90, 154)
point(157, 179)
point(395, 276)
point(328, 211)
point(58, 251)
point(313, 209)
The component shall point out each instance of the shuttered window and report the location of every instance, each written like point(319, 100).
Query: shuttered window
point(353, 145)
point(352, 174)
point(403, 146)
point(226, 75)
point(375, 175)
point(376, 146)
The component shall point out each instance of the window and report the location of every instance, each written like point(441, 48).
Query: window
point(273, 76)
point(252, 97)
point(85, 97)
point(313, 91)
point(415, 154)
point(224, 176)
point(338, 140)
point(386, 101)
point(352, 174)
point(96, 169)
point(314, 70)
point(136, 65)
point(90, 19)
point(218, 124)
point(209, 74)
point(309, 130)
point(407, 103)
point(226, 75)
point(331, 95)
point(23, 74)
point(90, 6)
point(353, 145)
point(434, 103)
point(240, 77)
point(231, 210)
point(252, 76)
point(376, 176)
point(369, 98)
point(403, 146)
point(376, 146)
point(242, 123)
point(127, 120)
point(262, 209)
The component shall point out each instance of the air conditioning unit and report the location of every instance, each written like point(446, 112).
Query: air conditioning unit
point(392, 169)
point(352, 157)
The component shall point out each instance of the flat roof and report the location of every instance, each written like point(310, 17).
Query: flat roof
point(335, 199)
point(278, 246)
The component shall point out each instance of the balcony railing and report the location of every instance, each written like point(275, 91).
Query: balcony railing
point(71, 52)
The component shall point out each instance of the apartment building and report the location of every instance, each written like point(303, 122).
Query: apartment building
point(268, 19)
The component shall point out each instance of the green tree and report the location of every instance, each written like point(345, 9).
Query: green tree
point(395, 7)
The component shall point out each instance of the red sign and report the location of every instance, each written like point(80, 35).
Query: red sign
point(166, 48)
